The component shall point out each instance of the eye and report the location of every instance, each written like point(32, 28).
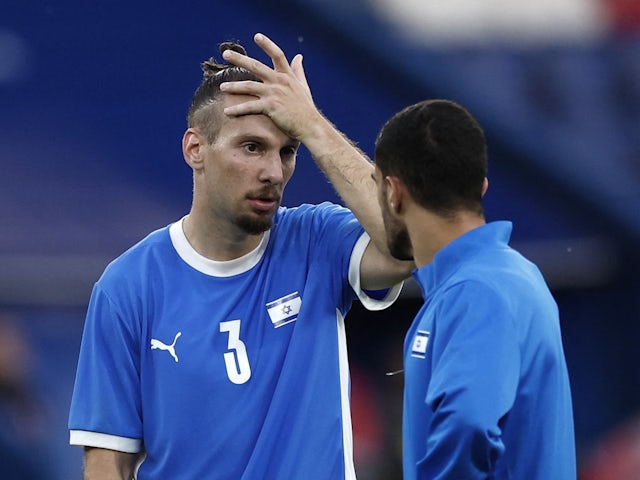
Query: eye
point(251, 147)
point(289, 151)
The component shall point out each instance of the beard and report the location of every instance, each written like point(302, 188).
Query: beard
point(259, 220)
point(399, 244)
point(398, 241)
point(254, 225)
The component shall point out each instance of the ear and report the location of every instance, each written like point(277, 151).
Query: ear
point(396, 193)
point(192, 143)
point(485, 186)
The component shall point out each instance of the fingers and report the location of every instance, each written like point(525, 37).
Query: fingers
point(256, 67)
point(298, 72)
point(251, 107)
point(276, 54)
point(247, 87)
point(283, 84)
point(243, 87)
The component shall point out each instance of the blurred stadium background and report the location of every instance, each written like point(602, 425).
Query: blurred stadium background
point(93, 98)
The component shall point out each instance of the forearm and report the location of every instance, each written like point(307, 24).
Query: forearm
point(350, 172)
point(103, 464)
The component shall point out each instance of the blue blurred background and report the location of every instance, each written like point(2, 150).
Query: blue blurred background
point(93, 98)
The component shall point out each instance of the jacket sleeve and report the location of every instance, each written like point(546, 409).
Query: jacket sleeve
point(476, 367)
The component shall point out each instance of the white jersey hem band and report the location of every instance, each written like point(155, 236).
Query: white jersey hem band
point(84, 438)
point(369, 303)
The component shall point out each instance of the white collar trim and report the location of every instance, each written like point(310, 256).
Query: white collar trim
point(210, 267)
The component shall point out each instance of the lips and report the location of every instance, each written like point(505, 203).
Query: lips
point(264, 203)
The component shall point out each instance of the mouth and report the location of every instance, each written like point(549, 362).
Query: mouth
point(264, 203)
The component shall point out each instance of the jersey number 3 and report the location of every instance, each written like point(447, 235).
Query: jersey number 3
point(236, 359)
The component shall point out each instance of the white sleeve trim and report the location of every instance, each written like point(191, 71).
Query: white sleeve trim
point(103, 440)
point(354, 279)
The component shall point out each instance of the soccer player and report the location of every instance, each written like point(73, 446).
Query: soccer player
point(215, 348)
point(486, 386)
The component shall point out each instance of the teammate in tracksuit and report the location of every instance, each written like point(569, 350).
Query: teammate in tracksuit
point(487, 392)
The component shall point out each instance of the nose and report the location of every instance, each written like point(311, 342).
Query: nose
point(272, 171)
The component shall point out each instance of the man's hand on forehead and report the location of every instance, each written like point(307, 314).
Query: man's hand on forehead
point(283, 95)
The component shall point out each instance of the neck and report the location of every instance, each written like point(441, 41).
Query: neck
point(429, 233)
point(217, 240)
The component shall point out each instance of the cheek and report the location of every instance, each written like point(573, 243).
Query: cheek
point(387, 221)
point(380, 199)
point(234, 172)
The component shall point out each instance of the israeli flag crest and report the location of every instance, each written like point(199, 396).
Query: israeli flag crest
point(420, 342)
point(285, 309)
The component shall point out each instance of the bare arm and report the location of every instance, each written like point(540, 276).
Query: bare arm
point(285, 97)
point(103, 464)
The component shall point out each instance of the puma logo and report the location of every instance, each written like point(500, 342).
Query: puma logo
point(169, 348)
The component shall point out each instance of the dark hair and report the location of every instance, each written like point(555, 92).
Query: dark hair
point(208, 92)
point(438, 150)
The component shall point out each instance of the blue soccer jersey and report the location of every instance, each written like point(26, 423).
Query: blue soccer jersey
point(486, 386)
point(226, 370)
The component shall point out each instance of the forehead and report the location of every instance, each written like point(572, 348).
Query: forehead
point(258, 125)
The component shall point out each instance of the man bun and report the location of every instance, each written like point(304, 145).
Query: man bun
point(211, 67)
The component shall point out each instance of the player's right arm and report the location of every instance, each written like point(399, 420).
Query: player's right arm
point(103, 464)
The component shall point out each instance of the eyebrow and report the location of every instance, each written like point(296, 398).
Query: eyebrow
point(264, 139)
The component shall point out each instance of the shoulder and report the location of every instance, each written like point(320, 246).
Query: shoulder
point(503, 289)
point(326, 223)
point(139, 256)
point(312, 213)
point(507, 273)
point(319, 218)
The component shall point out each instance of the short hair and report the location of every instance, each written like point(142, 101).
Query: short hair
point(438, 150)
point(200, 114)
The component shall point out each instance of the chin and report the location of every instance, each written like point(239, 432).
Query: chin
point(255, 225)
point(399, 245)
